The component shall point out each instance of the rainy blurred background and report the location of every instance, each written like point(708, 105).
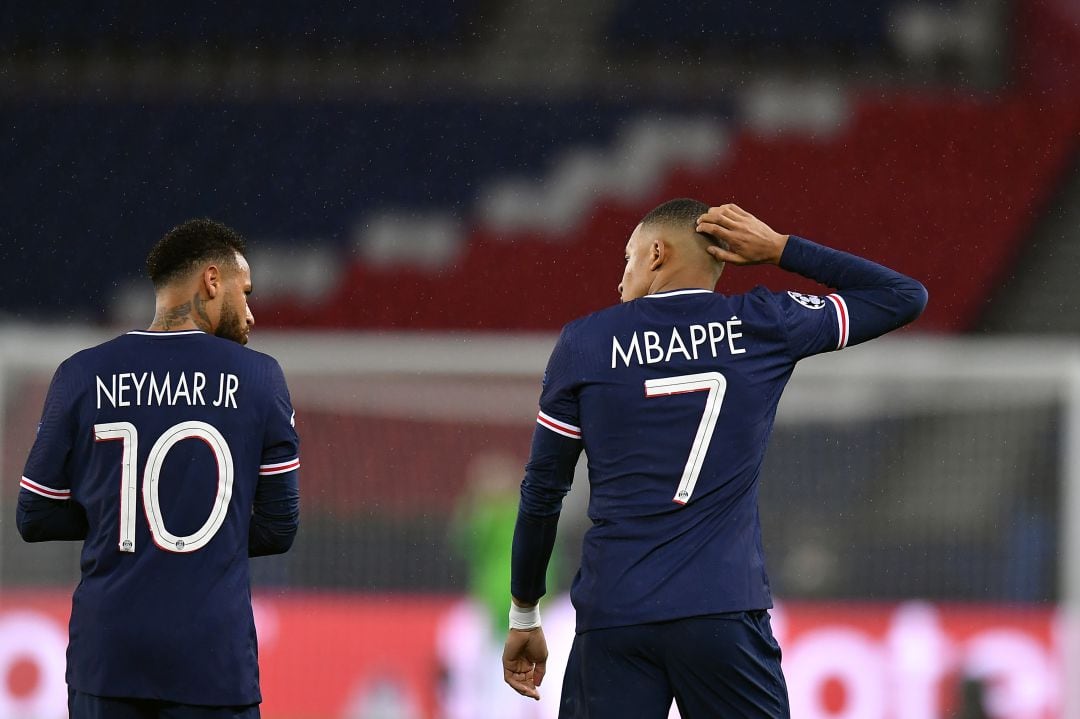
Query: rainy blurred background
point(430, 189)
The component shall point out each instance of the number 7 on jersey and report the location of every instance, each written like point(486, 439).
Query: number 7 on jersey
point(716, 385)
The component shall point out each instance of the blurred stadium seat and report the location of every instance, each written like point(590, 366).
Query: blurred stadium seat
point(655, 25)
point(125, 26)
point(898, 176)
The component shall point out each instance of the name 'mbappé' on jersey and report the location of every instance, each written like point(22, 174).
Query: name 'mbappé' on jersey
point(672, 396)
point(180, 450)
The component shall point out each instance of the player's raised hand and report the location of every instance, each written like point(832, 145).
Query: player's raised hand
point(748, 240)
point(525, 660)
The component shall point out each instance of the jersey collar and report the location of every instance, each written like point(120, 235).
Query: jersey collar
point(165, 333)
point(675, 293)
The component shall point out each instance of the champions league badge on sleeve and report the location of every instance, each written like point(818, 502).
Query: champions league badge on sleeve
point(810, 302)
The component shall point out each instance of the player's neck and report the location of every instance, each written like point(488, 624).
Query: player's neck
point(173, 311)
point(685, 279)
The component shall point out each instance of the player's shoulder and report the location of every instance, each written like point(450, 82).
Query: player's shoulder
point(90, 356)
point(262, 359)
point(788, 301)
point(587, 325)
point(772, 302)
point(242, 354)
point(192, 340)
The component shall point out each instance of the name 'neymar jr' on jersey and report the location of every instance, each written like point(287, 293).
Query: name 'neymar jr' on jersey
point(172, 453)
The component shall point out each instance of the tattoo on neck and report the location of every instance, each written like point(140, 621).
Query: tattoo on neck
point(171, 317)
point(200, 318)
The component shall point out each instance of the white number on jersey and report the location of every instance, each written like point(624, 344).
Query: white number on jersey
point(129, 436)
point(716, 385)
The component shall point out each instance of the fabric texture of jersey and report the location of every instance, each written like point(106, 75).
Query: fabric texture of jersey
point(673, 397)
point(163, 610)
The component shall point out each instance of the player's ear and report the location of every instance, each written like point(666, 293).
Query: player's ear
point(658, 253)
point(211, 280)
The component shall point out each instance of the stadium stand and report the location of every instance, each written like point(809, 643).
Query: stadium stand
point(901, 173)
point(125, 27)
point(651, 25)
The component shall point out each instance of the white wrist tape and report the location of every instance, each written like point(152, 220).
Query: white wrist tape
point(521, 618)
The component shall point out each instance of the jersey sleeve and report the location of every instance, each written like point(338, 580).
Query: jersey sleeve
point(557, 437)
point(45, 510)
point(549, 473)
point(276, 510)
point(870, 300)
point(281, 444)
point(813, 323)
point(44, 473)
point(559, 411)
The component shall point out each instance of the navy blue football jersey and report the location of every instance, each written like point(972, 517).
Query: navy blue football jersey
point(672, 396)
point(169, 442)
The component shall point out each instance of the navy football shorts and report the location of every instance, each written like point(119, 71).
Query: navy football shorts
point(89, 706)
point(714, 667)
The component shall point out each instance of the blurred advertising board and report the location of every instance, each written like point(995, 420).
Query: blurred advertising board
point(373, 656)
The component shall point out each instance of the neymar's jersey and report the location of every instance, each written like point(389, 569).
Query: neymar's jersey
point(672, 397)
point(168, 441)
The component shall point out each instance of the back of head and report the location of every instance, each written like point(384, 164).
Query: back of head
point(680, 214)
point(190, 244)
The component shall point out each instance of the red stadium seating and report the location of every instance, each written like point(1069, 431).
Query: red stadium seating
point(945, 188)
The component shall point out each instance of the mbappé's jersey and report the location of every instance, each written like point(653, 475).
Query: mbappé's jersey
point(163, 438)
point(673, 396)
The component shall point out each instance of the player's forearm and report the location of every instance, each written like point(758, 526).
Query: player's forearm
point(534, 541)
point(275, 517)
point(548, 476)
point(40, 519)
point(885, 299)
point(548, 473)
point(273, 532)
point(839, 269)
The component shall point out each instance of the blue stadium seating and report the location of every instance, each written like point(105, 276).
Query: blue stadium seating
point(726, 25)
point(95, 184)
point(82, 25)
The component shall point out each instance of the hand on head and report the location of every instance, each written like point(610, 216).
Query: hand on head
point(749, 241)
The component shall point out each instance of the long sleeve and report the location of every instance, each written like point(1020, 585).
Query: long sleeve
point(548, 477)
point(872, 299)
point(42, 519)
point(275, 513)
point(275, 516)
point(549, 473)
point(46, 510)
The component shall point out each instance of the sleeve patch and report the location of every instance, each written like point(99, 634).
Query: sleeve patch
point(810, 302)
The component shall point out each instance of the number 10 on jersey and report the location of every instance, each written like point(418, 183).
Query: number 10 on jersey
point(129, 436)
point(716, 385)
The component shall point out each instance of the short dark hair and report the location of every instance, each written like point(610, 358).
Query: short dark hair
point(680, 212)
point(190, 244)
